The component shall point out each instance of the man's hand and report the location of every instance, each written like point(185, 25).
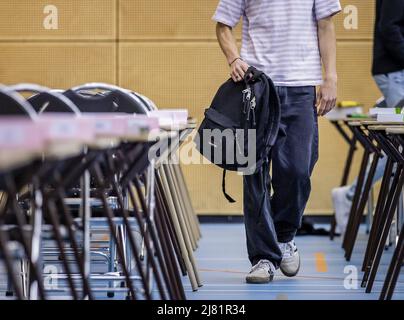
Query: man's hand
point(238, 70)
point(327, 96)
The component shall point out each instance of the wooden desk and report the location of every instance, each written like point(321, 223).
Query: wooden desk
point(385, 123)
point(354, 124)
point(395, 130)
point(384, 127)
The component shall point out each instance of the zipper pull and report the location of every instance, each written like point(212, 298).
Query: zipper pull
point(247, 94)
point(253, 104)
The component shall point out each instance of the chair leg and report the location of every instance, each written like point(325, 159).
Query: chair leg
point(8, 261)
point(150, 228)
point(188, 209)
point(356, 221)
point(79, 258)
point(130, 171)
point(25, 241)
point(184, 241)
point(187, 197)
point(167, 255)
point(179, 204)
point(397, 184)
point(381, 217)
point(394, 269)
point(168, 243)
point(378, 212)
point(348, 238)
point(85, 214)
point(344, 180)
point(162, 201)
point(96, 170)
point(147, 243)
point(132, 242)
point(53, 217)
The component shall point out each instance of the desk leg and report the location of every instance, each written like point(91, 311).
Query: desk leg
point(344, 181)
point(394, 269)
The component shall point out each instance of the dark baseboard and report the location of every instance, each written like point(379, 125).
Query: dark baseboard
point(220, 219)
point(323, 219)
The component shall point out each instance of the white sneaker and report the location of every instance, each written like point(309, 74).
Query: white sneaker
point(290, 264)
point(342, 207)
point(262, 272)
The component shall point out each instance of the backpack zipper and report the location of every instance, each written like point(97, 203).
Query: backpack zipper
point(252, 106)
point(246, 98)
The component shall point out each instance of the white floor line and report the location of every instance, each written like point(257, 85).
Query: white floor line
point(294, 291)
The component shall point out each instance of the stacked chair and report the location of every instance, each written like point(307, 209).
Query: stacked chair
point(379, 139)
point(93, 202)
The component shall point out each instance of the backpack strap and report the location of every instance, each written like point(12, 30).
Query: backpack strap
point(252, 75)
point(275, 112)
point(230, 199)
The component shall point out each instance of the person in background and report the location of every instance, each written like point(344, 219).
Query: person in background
point(388, 73)
point(289, 40)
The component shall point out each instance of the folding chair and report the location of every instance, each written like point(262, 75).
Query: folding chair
point(18, 231)
point(107, 162)
point(21, 149)
point(121, 101)
point(73, 133)
point(185, 225)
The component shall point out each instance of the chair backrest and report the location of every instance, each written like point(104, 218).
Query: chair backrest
point(100, 97)
point(14, 104)
point(54, 102)
point(149, 104)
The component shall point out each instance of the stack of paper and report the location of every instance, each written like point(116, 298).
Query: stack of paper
point(341, 113)
point(390, 117)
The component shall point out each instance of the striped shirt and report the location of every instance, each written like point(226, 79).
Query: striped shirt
point(280, 37)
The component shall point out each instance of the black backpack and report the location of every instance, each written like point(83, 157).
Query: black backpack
point(238, 110)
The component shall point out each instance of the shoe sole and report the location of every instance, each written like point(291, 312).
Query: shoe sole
point(258, 280)
point(290, 275)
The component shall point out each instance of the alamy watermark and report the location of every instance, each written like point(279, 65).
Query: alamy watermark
point(351, 279)
point(226, 146)
point(51, 20)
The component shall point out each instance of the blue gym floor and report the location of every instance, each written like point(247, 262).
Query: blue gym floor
point(223, 264)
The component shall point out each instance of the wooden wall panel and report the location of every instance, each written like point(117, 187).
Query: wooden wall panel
point(354, 69)
point(57, 65)
point(365, 10)
point(78, 19)
point(182, 19)
point(175, 19)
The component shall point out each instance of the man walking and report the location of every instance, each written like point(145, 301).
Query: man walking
point(290, 40)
